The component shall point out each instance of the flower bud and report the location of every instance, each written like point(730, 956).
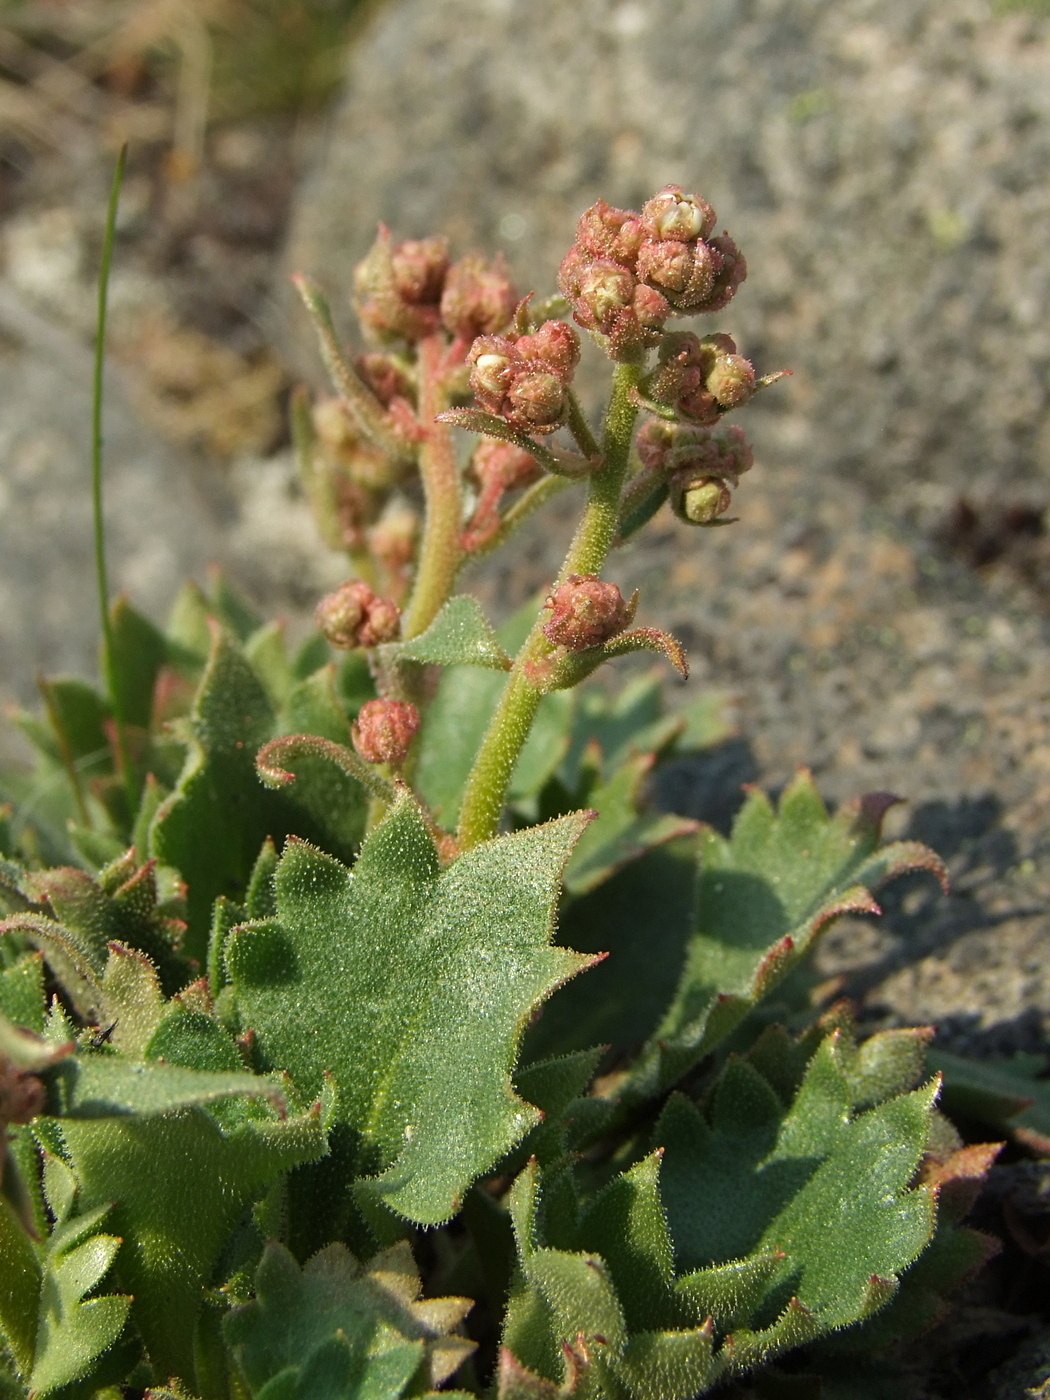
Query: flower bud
point(605, 232)
point(674, 215)
point(690, 454)
point(355, 616)
point(684, 272)
point(398, 288)
point(556, 343)
point(479, 298)
point(536, 400)
point(731, 273)
point(599, 291)
point(393, 539)
point(585, 612)
point(492, 361)
point(731, 380)
point(383, 730)
point(704, 501)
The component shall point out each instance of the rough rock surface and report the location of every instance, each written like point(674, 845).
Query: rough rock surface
point(883, 165)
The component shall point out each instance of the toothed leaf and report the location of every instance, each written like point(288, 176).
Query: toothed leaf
point(460, 635)
point(410, 985)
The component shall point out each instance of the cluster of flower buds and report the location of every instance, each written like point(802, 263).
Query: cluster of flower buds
point(701, 465)
point(354, 616)
point(525, 378)
point(627, 272)
point(409, 290)
point(383, 730)
point(585, 611)
point(497, 467)
point(700, 379)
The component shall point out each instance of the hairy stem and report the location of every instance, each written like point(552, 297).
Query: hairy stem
point(508, 730)
point(440, 553)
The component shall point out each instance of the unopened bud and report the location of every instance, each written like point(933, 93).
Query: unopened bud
point(492, 360)
point(479, 298)
point(585, 612)
point(536, 400)
point(684, 272)
point(399, 287)
point(731, 380)
point(731, 273)
point(354, 616)
point(705, 501)
point(383, 730)
point(606, 232)
point(674, 214)
point(394, 537)
point(556, 344)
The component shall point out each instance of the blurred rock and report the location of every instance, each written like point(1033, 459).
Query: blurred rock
point(883, 163)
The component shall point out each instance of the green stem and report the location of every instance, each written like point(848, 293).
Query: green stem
point(509, 727)
point(439, 553)
point(109, 658)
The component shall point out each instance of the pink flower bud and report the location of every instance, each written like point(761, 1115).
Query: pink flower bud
point(732, 272)
point(684, 272)
point(556, 344)
point(599, 292)
point(479, 298)
point(383, 730)
point(355, 616)
point(585, 612)
point(536, 400)
point(492, 361)
point(420, 266)
point(692, 453)
point(399, 288)
point(605, 232)
point(673, 214)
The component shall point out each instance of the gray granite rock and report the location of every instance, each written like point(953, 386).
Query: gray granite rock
point(883, 163)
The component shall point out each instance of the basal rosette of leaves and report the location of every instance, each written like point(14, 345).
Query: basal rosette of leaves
point(364, 1030)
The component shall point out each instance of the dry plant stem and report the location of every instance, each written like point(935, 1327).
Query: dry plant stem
point(439, 554)
point(508, 730)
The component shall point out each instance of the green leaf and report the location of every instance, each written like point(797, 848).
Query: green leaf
point(459, 635)
point(179, 1183)
point(22, 993)
point(410, 985)
point(620, 833)
point(106, 1086)
point(20, 1275)
point(211, 828)
point(1007, 1096)
point(369, 1323)
point(763, 897)
point(139, 651)
point(824, 1187)
point(74, 1330)
point(454, 724)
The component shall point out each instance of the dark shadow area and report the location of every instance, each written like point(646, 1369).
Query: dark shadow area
point(708, 785)
point(980, 854)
